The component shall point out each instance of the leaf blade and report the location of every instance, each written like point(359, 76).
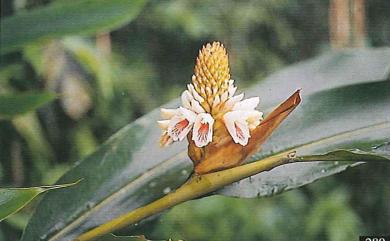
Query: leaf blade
point(64, 18)
point(332, 129)
point(299, 174)
point(14, 199)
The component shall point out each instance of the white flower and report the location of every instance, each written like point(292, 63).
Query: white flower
point(165, 139)
point(203, 130)
point(178, 122)
point(188, 101)
point(242, 119)
point(210, 97)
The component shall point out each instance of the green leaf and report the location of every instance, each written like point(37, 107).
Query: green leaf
point(18, 220)
point(299, 174)
point(12, 105)
point(350, 117)
point(14, 199)
point(84, 17)
point(342, 92)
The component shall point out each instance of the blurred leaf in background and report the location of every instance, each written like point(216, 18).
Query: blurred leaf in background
point(62, 18)
point(12, 105)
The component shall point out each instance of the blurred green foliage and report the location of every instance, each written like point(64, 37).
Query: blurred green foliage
point(279, 218)
point(13, 104)
point(147, 63)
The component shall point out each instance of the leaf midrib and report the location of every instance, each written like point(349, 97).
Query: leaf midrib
point(341, 135)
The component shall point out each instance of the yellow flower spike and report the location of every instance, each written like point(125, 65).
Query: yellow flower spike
point(212, 72)
point(219, 125)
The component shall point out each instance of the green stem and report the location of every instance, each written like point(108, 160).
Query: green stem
point(197, 186)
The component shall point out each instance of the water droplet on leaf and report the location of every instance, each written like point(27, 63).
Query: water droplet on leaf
point(167, 190)
point(184, 172)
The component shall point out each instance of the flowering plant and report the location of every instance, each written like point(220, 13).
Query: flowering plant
point(217, 123)
point(210, 97)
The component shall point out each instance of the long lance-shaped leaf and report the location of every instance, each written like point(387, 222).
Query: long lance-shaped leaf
point(294, 175)
point(204, 184)
point(65, 18)
point(14, 199)
point(200, 185)
point(130, 170)
point(352, 117)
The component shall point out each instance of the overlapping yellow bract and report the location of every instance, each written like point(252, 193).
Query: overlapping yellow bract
point(211, 73)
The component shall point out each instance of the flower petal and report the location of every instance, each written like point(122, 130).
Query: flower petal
point(237, 127)
point(189, 102)
point(232, 89)
point(238, 97)
point(232, 101)
point(168, 113)
point(188, 114)
point(195, 94)
point(163, 124)
point(196, 107)
point(178, 128)
point(224, 96)
point(181, 124)
point(165, 139)
point(186, 98)
point(203, 130)
point(253, 118)
point(247, 104)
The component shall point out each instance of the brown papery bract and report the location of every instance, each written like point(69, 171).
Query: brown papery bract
point(223, 153)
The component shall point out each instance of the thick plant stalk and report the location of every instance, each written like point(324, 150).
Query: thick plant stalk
point(197, 186)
